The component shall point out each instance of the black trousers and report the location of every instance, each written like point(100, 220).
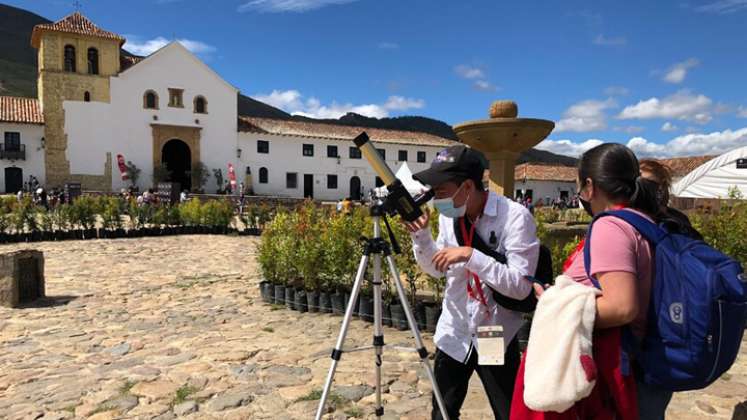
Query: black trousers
point(453, 377)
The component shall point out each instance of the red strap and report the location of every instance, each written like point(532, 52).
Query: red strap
point(468, 242)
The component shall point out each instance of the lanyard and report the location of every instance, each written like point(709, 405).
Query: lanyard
point(468, 242)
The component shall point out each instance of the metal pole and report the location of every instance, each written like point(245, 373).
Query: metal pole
point(378, 337)
point(416, 334)
point(337, 352)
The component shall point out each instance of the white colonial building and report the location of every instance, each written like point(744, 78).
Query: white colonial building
point(544, 182)
point(171, 110)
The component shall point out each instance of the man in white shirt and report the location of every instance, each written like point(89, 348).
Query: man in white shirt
point(472, 276)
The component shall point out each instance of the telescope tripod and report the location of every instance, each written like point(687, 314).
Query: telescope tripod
point(377, 247)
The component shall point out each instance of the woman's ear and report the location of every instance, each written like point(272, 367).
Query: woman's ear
point(589, 183)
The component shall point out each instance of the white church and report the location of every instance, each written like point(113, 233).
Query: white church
point(170, 109)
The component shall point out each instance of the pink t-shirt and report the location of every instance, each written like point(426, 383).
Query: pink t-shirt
point(617, 246)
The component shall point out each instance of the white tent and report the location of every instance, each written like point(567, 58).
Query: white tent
point(404, 174)
point(716, 177)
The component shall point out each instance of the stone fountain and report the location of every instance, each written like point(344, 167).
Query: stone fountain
point(501, 139)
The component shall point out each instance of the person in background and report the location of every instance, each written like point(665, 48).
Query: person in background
point(183, 196)
point(609, 178)
point(673, 219)
point(347, 205)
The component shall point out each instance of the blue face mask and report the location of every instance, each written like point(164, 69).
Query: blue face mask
point(446, 206)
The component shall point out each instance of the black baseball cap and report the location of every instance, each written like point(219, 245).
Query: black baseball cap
point(455, 163)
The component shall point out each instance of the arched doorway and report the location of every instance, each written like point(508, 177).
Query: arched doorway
point(355, 188)
point(178, 160)
point(13, 180)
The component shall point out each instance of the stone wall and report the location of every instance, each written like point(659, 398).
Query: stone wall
point(21, 277)
point(55, 86)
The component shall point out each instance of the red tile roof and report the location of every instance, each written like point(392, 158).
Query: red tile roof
point(339, 132)
point(539, 172)
point(74, 24)
point(20, 110)
point(682, 166)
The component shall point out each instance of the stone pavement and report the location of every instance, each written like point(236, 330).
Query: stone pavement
point(173, 327)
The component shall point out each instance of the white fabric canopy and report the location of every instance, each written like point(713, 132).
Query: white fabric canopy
point(404, 174)
point(714, 178)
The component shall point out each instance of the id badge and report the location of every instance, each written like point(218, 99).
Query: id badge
point(490, 348)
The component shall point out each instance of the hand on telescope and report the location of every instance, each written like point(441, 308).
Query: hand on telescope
point(420, 223)
point(448, 256)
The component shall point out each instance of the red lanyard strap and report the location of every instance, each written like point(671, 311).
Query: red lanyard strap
point(478, 285)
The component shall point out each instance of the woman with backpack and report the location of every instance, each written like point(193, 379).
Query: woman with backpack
point(621, 262)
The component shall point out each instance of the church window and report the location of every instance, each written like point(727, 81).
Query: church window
point(93, 61)
point(263, 175)
point(87, 96)
point(150, 100)
point(70, 58)
point(200, 105)
point(175, 98)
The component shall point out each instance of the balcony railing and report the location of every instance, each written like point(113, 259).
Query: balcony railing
point(13, 152)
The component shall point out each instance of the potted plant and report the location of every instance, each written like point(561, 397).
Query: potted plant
point(218, 174)
point(199, 174)
point(134, 174)
point(432, 313)
point(4, 223)
point(47, 225)
point(161, 173)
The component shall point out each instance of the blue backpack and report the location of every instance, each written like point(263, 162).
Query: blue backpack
point(697, 311)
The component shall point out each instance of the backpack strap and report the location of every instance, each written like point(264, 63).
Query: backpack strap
point(649, 230)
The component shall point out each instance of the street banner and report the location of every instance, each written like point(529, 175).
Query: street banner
point(122, 168)
point(232, 177)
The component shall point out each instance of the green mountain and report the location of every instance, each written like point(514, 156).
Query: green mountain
point(18, 78)
point(17, 56)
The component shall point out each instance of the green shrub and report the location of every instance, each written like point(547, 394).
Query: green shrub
point(725, 229)
point(84, 212)
point(190, 212)
point(111, 212)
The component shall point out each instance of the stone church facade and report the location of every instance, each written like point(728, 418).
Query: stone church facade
point(170, 110)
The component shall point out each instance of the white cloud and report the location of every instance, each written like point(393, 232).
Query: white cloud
point(152, 45)
point(723, 7)
point(388, 45)
point(742, 112)
point(280, 6)
point(568, 147)
point(484, 86)
point(616, 91)
point(610, 42)
point(692, 144)
point(478, 75)
point(585, 116)
point(469, 72)
point(682, 105)
point(667, 126)
point(400, 103)
point(292, 101)
point(678, 71)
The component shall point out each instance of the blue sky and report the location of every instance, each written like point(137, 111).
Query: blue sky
point(668, 78)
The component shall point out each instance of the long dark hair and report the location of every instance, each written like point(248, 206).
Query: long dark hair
point(614, 169)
